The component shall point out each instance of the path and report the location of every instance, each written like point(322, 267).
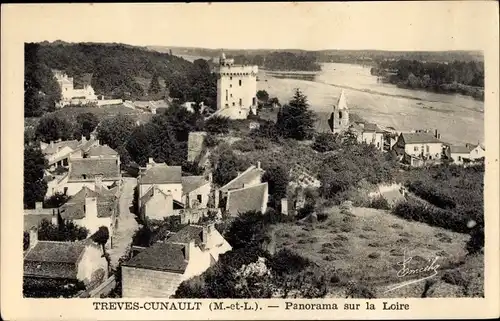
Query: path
point(127, 224)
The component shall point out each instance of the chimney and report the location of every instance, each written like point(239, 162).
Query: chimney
point(33, 237)
point(207, 233)
point(258, 164)
point(189, 250)
point(436, 133)
point(238, 173)
point(38, 206)
point(90, 207)
point(98, 182)
point(150, 163)
point(51, 143)
point(84, 139)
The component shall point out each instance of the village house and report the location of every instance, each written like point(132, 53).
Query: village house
point(157, 271)
point(68, 261)
point(166, 178)
point(196, 191)
point(100, 162)
point(92, 208)
point(370, 134)
point(157, 204)
point(58, 153)
point(247, 198)
point(467, 153)
point(251, 176)
point(419, 148)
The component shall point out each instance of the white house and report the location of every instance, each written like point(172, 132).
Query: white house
point(92, 209)
point(158, 270)
point(466, 153)
point(195, 191)
point(164, 177)
point(419, 147)
point(71, 95)
point(477, 152)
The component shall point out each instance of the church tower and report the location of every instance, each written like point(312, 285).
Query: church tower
point(340, 117)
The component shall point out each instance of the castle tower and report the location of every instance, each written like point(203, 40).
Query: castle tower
point(340, 115)
point(236, 88)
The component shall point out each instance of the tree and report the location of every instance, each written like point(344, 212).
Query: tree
point(52, 128)
point(115, 131)
point(274, 102)
point(56, 200)
point(296, 120)
point(154, 85)
point(263, 96)
point(226, 167)
point(217, 125)
point(86, 123)
point(101, 237)
point(277, 179)
point(35, 186)
point(248, 230)
point(325, 142)
point(66, 231)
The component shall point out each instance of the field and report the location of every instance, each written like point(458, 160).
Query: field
point(366, 246)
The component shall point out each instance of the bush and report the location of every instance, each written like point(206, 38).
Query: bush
point(322, 217)
point(431, 194)
point(454, 277)
point(360, 291)
point(380, 203)
point(217, 125)
point(374, 255)
point(244, 145)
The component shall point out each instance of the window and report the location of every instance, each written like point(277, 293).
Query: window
point(226, 105)
point(415, 149)
point(427, 148)
point(340, 115)
point(84, 176)
point(241, 102)
point(230, 85)
point(233, 103)
point(226, 94)
point(459, 158)
point(198, 197)
point(240, 82)
point(231, 95)
point(230, 78)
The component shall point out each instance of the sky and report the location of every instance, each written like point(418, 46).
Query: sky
point(445, 25)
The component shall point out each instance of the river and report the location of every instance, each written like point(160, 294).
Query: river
point(458, 118)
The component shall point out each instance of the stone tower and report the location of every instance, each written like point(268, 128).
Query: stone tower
point(236, 88)
point(339, 121)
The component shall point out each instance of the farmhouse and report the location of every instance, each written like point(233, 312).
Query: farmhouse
point(165, 178)
point(418, 148)
point(158, 270)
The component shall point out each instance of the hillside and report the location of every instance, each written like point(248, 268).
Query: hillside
point(365, 246)
point(115, 70)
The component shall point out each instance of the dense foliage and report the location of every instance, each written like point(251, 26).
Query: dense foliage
point(226, 165)
point(85, 124)
point(66, 231)
point(116, 70)
point(465, 77)
point(34, 185)
point(283, 61)
point(52, 128)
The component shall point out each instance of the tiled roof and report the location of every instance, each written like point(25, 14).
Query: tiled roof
point(161, 256)
point(91, 167)
point(460, 149)
point(190, 183)
point(73, 144)
point(74, 208)
point(34, 220)
point(419, 138)
point(102, 150)
point(187, 234)
point(53, 259)
point(246, 199)
point(244, 178)
point(161, 174)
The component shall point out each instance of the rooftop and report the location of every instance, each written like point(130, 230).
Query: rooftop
point(246, 177)
point(74, 209)
point(88, 168)
point(191, 183)
point(101, 150)
point(161, 174)
point(460, 149)
point(53, 259)
point(169, 257)
point(419, 138)
point(246, 199)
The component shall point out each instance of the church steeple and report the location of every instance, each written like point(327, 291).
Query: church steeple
point(340, 116)
point(342, 101)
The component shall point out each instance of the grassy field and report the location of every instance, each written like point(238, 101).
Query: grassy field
point(366, 245)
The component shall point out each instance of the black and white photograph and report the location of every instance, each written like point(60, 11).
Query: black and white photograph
point(187, 159)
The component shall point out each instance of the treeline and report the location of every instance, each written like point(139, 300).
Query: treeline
point(462, 77)
point(115, 71)
point(282, 61)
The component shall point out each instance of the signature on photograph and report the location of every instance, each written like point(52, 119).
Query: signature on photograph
point(422, 272)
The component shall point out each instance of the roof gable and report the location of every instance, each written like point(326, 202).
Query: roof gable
point(246, 199)
point(101, 150)
point(246, 177)
point(191, 183)
point(161, 256)
point(88, 168)
point(419, 138)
